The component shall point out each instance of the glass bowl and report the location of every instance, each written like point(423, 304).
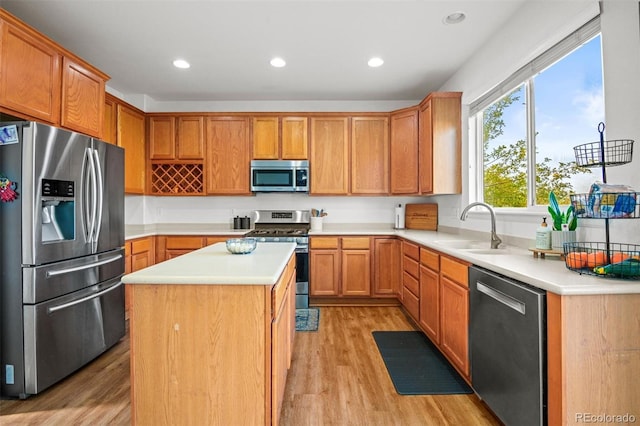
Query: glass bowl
point(241, 245)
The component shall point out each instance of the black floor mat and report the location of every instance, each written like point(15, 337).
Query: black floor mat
point(416, 366)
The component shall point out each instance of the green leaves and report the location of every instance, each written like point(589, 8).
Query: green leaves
point(559, 217)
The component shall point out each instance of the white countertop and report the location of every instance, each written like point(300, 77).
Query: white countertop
point(515, 262)
point(215, 265)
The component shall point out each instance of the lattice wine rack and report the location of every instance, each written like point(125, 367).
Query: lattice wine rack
point(176, 179)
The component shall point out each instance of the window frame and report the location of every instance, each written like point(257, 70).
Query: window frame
point(524, 76)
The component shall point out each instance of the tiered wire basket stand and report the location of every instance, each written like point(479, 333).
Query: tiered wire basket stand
point(605, 258)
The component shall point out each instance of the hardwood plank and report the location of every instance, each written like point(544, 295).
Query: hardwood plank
point(336, 378)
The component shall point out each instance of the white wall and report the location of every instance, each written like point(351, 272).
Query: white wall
point(529, 33)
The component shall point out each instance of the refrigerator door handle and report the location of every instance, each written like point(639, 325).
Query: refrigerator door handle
point(57, 272)
point(99, 196)
point(53, 309)
point(86, 202)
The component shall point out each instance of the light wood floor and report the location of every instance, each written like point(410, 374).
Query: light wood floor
point(337, 378)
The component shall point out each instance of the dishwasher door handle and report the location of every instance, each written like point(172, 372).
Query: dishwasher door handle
point(507, 300)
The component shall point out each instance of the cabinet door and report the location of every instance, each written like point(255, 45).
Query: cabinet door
point(329, 161)
point(30, 79)
point(294, 140)
point(430, 303)
point(404, 152)
point(162, 138)
point(109, 124)
point(228, 155)
point(190, 138)
point(441, 144)
point(324, 272)
point(356, 273)
point(369, 155)
point(454, 323)
point(387, 266)
point(131, 131)
point(426, 149)
point(82, 98)
point(265, 138)
point(280, 342)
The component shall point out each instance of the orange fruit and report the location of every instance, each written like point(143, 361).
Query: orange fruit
point(618, 257)
point(576, 259)
point(597, 258)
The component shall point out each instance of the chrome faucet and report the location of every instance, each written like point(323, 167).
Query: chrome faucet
point(495, 240)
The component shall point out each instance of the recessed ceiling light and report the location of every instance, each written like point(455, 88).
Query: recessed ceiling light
point(375, 62)
point(181, 63)
point(454, 18)
point(278, 62)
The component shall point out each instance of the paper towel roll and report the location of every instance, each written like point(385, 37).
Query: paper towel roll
point(399, 217)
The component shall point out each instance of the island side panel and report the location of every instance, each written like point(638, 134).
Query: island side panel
point(198, 354)
point(600, 356)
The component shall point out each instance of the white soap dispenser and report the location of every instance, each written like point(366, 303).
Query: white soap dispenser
point(543, 236)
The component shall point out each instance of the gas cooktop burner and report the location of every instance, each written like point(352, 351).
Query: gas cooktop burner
point(276, 232)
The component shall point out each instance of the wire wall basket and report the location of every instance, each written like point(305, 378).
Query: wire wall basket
point(608, 153)
point(608, 260)
point(607, 205)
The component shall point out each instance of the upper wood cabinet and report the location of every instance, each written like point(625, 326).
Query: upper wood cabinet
point(228, 155)
point(176, 138)
point(280, 138)
point(440, 144)
point(329, 162)
point(369, 155)
point(110, 122)
point(190, 139)
point(131, 137)
point(82, 98)
point(29, 72)
point(41, 80)
point(404, 151)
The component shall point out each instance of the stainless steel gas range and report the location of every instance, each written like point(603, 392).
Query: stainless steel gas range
point(287, 226)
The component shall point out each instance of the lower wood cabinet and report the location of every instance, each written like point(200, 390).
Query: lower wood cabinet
point(430, 294)
point(168, 247)
point(340, 266)
point(411, 279)
point(386, 267)
point(139, 253)
point(454, 312)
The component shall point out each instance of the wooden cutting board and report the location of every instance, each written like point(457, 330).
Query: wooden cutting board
point(421, 216)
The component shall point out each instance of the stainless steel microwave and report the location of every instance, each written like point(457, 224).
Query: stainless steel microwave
point(279, 176)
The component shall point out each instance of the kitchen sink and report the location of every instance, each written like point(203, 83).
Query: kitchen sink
point(463, 244)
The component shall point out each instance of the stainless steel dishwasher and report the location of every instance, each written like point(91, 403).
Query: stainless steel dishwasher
point(507, 333)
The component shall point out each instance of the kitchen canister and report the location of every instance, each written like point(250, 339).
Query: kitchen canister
point(316, 223)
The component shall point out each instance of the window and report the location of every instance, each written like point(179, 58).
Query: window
point(525, 130)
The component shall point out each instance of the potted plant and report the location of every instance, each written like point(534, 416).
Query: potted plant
point(563, 224)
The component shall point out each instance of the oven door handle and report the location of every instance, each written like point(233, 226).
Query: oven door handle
point(83, 299)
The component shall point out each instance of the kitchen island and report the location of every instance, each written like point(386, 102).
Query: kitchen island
point(211, 336)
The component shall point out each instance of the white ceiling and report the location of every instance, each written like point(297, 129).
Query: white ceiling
point(326, 44)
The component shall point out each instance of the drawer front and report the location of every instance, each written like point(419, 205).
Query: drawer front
point(323, 243)
point(411, 283)
point(411, 250)
point(411, 303)
point(140, 246)
point(430, 259)
point(356, 243)
point(411, 266)
point(455, 269)
point(184, 243)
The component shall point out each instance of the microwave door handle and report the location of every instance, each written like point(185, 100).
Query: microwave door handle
point(99, 196)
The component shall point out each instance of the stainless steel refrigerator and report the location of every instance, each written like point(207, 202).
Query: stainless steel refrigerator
point(61, 254)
